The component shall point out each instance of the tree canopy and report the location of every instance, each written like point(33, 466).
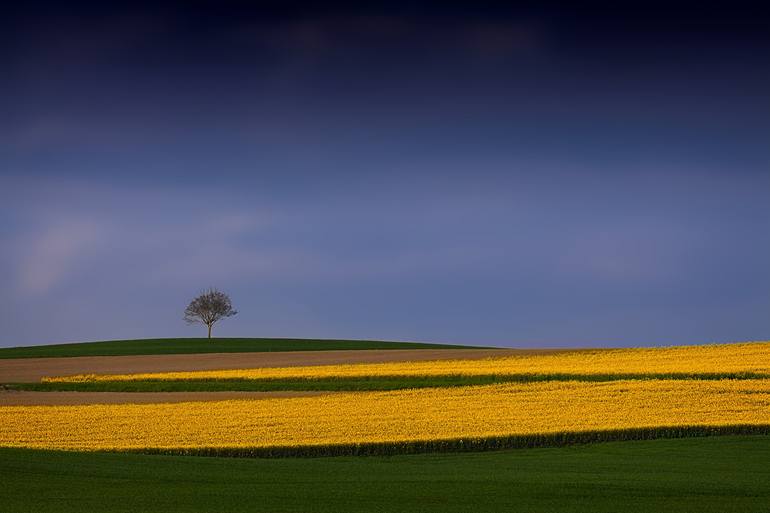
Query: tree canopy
point(208, 308)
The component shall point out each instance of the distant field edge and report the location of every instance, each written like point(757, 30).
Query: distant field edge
point(480, 444)
point(203, 345)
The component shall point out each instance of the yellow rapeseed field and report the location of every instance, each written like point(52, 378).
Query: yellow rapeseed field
point(400, 416)
point(688, 360)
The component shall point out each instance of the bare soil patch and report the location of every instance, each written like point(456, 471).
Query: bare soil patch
point(23, 398)
point(25, 370)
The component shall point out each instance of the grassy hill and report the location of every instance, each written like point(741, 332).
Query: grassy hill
point(203, 345)
point(721, 474)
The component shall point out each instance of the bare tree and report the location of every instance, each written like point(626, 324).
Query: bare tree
point(208, 308)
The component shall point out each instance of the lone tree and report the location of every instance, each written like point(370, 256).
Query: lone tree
point(208, 308)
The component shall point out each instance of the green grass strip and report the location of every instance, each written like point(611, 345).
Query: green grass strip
point(370, 383)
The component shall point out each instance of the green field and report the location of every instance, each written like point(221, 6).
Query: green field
point(204, 345)
point(719, 474)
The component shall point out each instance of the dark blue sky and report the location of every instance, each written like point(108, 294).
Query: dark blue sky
point(532, 176)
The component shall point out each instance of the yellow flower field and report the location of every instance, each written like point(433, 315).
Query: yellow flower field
point(688, 360)
point(400, 416)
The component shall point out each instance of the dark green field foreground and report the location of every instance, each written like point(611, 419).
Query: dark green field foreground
point(203, 345)
point(719, 474)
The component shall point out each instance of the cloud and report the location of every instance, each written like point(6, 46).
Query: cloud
point(51, 254)
point(442, 260)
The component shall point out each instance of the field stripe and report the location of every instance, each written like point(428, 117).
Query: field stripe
point(13, 398)
point(480, 444)
point(33, 369)
point(720, 360)
point(400, 417)
point(336, 384)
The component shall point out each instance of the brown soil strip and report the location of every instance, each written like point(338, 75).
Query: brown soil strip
point(23, 398)
point(25, 370)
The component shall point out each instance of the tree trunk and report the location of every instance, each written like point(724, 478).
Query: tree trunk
point(209, 330)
